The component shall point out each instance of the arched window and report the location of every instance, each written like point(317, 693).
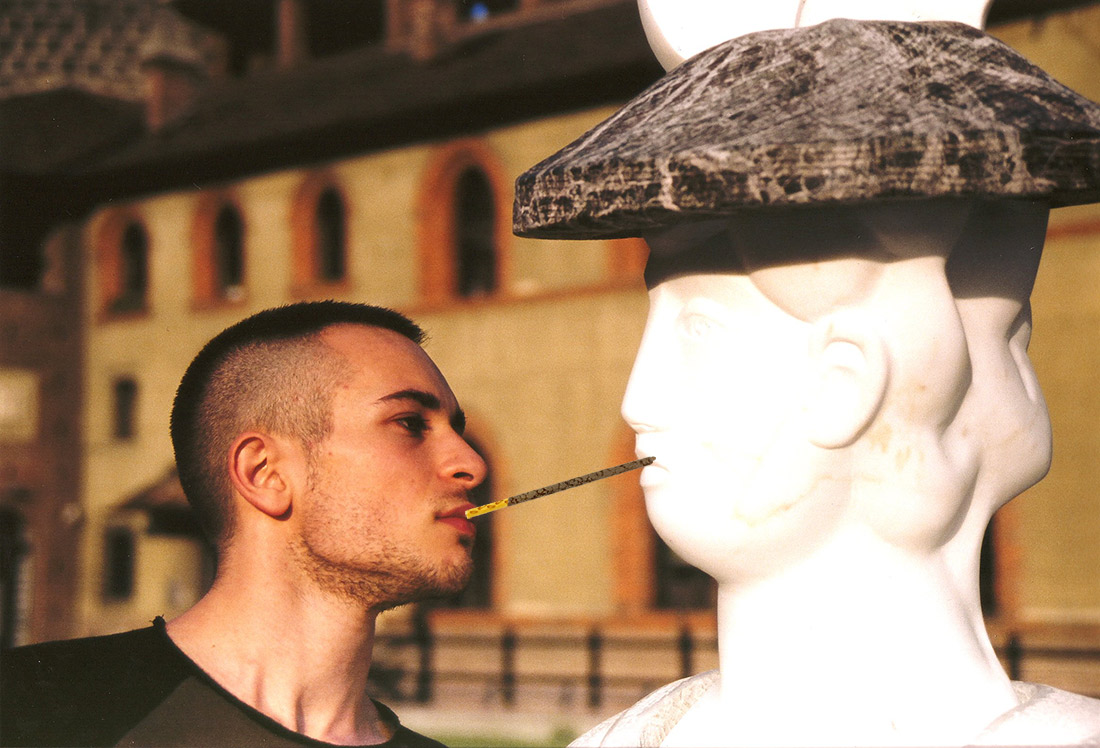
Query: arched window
point(134, 270)
point(475, 240)
point(218, 240)
point(479, 592)
point(329, 237)
point(123, 264)
point(319, 235)
point(464, 224)
point(229, 253)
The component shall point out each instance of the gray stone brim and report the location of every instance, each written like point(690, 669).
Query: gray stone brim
point(842, 112)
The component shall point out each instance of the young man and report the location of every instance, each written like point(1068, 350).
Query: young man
point(323, 453)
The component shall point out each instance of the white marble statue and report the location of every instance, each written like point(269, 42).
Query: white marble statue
point(845, 202)
point(838, 400)
point(836, 389)
point(679, 29)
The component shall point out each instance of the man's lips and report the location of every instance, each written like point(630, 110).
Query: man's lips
point(456, 518)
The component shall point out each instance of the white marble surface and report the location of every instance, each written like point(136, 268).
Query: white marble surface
point(838, 399)
point(679, 29)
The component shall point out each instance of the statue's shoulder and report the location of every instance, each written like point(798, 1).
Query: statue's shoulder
point(650, 719)
point(1045, 716)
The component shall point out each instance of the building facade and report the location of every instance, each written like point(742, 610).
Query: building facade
point(282, 162)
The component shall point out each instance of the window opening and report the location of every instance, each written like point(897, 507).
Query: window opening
point(14, 551)
point(119, 548)
point(229, 253)
point(987, 572)
point(346, 26)
point(479, 592)
point(125, 408)
point(330, 236)
point(680, 586)
point(475, 244)
point(133, 270)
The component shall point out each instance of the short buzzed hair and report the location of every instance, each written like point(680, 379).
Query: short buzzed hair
point(270, 371)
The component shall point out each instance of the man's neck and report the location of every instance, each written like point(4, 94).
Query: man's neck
point(862, 644)
point(302, 660)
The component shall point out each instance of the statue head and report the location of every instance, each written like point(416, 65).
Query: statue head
point(833, 377)
point(841, 257)
point(826, 370)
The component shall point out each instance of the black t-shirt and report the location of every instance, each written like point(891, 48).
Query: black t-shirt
point(135, 689)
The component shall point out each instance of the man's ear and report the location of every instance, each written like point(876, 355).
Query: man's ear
point(260, 470)
point(849, 373)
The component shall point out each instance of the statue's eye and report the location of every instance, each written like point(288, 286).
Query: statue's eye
point(697, 326)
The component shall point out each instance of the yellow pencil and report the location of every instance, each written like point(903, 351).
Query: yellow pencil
point(555, 487)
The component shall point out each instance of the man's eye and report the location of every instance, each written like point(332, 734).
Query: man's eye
point(414, 424)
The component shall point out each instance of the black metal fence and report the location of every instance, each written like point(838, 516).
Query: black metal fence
point(600, 666)
point(577, 664)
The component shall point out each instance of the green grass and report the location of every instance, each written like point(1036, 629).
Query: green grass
point(561, 737)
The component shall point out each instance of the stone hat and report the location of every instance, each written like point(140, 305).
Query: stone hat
point(845, 111)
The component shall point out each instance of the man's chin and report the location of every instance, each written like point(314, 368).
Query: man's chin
point(455, 581)
point(441, 584)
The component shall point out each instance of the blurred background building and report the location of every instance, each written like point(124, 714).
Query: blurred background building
point(170, 166)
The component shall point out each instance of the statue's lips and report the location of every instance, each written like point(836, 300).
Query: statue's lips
point(653, 474)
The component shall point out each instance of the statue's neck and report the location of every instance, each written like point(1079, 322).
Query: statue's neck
point(861, 643)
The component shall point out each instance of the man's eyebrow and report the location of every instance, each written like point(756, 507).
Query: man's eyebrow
point(426, 399)
point(429, 401)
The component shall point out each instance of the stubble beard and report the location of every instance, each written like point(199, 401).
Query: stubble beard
point(383, 574)
point(390, 578)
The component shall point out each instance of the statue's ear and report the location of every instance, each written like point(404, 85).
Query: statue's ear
point(849, 373)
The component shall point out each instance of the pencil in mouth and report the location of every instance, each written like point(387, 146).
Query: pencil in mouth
point(580, 480)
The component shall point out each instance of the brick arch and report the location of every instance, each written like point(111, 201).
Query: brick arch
point(632, 538)
point(626, 258)
point(204, 277)
point(305, 260)
point(436, 216)
point(479, 431)
point(109, 261)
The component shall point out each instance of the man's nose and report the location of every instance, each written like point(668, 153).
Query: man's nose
point(466, 465)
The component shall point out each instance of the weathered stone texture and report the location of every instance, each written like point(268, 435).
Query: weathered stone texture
point(841, 112)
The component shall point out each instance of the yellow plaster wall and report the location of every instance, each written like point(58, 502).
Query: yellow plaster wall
point(540, 369)
point(167, 579)
point(547, 264)
point(1059, 519)
point(1057, 523)
point(546, 378)
point(154, 348)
